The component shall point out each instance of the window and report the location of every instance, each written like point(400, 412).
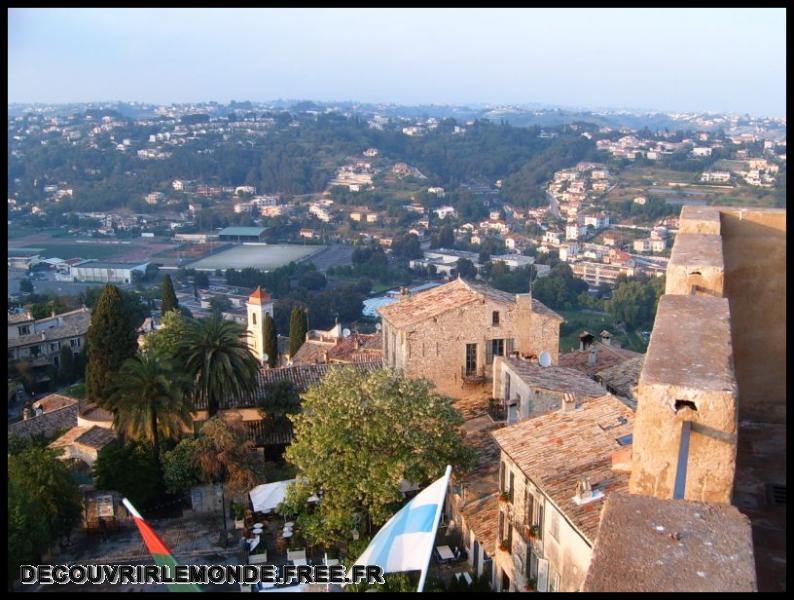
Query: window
point(253, 318)
point(471, 359)
point(495, 318)
point(512, 481)
point(24, 330)
point(502, 470)
point(530, 504)
point(625, 440)
point(540, 521)
point(555, 525)
point(510, 346)
point(494, 348)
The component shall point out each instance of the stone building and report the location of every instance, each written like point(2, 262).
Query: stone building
point(708, 458)
point(333, 346)
point(529, 390)
point(555, 472)
point(451, 333)
point(39, 341)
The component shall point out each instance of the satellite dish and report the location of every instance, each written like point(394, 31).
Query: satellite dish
point(544, 359)
point(346, 332)
point(377, 326)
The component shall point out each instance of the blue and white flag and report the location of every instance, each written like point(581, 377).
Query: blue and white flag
point(405, 542)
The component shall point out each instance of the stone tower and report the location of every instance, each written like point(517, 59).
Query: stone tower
point(259, 304)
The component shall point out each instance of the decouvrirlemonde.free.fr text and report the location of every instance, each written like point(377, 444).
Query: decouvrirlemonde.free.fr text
point(199, 574)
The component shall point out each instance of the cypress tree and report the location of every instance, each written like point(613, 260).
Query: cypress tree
point(169, 296)
point(111, 339)
point(298, 325)
point(271, 340)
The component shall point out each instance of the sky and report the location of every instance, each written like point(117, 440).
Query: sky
point(686, 60)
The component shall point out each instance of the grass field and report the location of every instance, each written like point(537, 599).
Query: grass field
point(265, 257)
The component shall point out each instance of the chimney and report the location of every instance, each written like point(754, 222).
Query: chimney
point(584, 491)
point(404, 293)
point(355, 342)
point(621, 460)
point(606, 337)
point(585, 340)
point(568, 402)
point(591, 360)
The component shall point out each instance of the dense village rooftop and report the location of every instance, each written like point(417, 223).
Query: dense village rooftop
point(606, 355)
point(560, 379)
point(558, 449)
point(643, 541)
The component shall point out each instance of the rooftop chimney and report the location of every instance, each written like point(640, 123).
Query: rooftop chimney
point(591, 360)
point(584, 491)
point(404, 293)
point(585, 340)
point(606, 337)
point(568, 402)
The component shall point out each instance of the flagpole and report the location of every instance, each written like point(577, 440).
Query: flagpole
point(422, 578)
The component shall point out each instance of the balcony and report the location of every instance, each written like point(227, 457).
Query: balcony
point(497, 410)
point(474, 376)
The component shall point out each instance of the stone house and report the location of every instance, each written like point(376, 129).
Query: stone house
point(529, 390)
point(555, 471)
point(451, 333)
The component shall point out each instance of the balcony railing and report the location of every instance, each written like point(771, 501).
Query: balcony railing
point(497, 410)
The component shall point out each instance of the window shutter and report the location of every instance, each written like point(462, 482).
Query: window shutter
point(489, 352)
point(510, 344)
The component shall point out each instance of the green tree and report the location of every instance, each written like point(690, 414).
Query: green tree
point(270, 340)
point(633, 302)
point(28, 536)
point(112, 338)
point(224, 455)
point(466, 268)
point(169, 301)
point(215, 355)
point(150, 400)
point(298, 325)
point(49, 484)
point(446, 237)
point(358, 436)
point(180, 469)
point(130, 470)
point(66, 365)
point(166, 339)
point(26, 285)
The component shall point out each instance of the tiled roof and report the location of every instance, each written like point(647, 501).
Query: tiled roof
point(92, 412)
point(482, 518)
point(357, 348)
point(76, 323)
point(52, 402)
point(94, 437)
point(560, 379)
point(259, 296)
point(557, 449)
point(606, 356)
point(622, 378)
point(47, 424)
point(20, 317)
point(302, 376)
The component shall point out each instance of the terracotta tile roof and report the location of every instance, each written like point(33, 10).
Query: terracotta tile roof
point(76, 323)
point(19, 317)
point(47, 424)
point(455, 294)
point(557, 449)
point(259, 296)
point(359, 347)
point(96, 437)
point(559, 379)
point(482, 517)
point(622, 378)
point(606, 356)
point(94, 413)
point(52, 402)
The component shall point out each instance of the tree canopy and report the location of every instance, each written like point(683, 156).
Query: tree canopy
point(358, 437)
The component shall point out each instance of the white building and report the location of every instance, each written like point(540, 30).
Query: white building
point(259, 304)
point(107, 272)
point(701, 151)
point(445, 211)
point(715, 177)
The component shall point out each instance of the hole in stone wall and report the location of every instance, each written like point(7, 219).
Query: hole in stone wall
point(681, 404)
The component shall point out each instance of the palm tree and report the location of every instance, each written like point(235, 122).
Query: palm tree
point(215, 355)
point(151, 400)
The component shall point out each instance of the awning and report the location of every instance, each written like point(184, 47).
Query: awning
point(268, 496)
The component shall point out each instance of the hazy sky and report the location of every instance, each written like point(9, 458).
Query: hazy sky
point(669, 59)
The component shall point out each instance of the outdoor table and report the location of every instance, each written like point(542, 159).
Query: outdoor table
point(445, 553)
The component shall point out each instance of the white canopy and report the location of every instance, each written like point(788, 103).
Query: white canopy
point(268, 496)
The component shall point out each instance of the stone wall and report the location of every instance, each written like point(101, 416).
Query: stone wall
point(436, 348)
point(47, 424)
